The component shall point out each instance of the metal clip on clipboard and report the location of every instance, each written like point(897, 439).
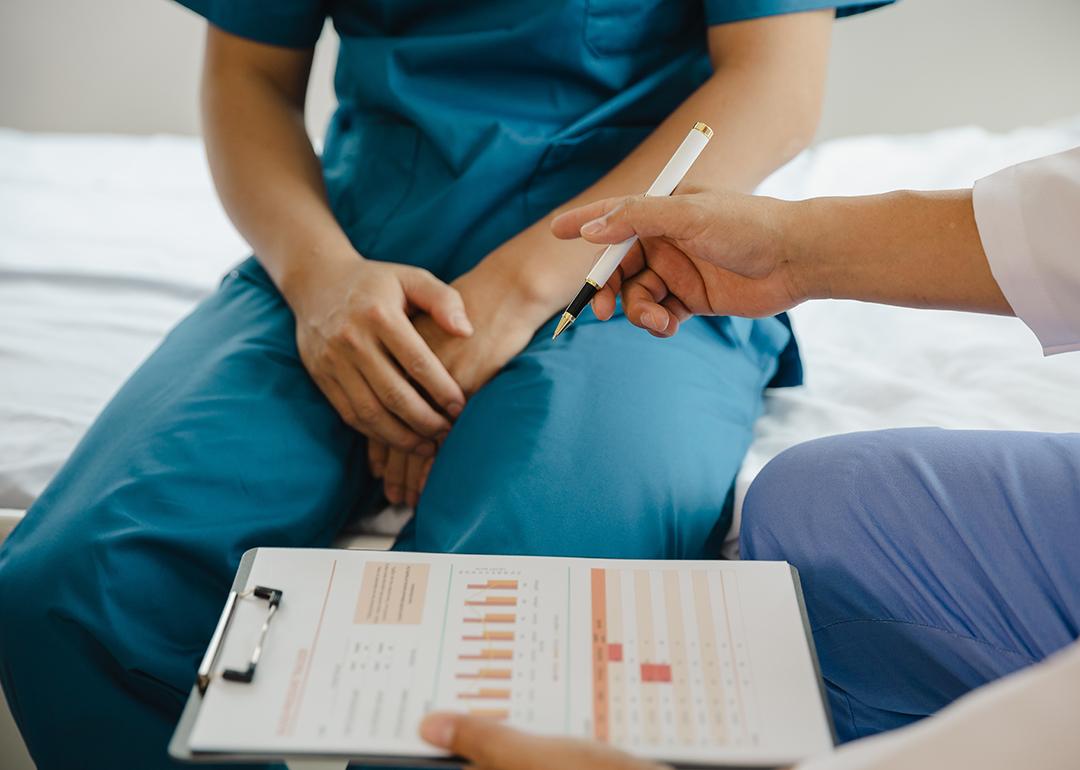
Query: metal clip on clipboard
point(206, 668)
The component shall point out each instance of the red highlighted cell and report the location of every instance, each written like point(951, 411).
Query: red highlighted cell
point(614, 652)
point(655, 672)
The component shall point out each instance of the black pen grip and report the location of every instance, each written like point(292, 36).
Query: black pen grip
point(588, 291)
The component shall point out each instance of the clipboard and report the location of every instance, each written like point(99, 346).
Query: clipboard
point(180, 746)
point(180, 743)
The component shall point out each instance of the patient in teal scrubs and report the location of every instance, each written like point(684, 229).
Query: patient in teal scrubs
point(392, 336)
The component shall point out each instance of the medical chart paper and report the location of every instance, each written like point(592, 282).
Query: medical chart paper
point(688, 662)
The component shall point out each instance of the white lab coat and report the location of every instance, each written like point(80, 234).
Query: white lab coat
point(1029, 222)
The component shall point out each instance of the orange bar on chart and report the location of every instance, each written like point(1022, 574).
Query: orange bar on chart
point(485, 694)
point(499, 714)
point(493, 617)
point(499, 636)
point(600, 655)
point(488, 673)
point(506, 585)
point(501, 601)
point(489, 655)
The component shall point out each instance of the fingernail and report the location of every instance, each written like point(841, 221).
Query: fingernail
point(594, 226)
point(647, 320)
point(454, 409)
point(438, 730)
point(461, 323)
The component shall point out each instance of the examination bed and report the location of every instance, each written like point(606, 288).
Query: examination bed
point(106, 241)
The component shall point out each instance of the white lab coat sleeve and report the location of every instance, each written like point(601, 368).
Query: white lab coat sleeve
point(1027, 719)
point(1029, 223)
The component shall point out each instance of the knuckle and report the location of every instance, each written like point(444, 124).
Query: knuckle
point(395, 398)
point(417, 365)
point(367, 413)
point(351, 419)
point(375, 315)
point(344, 338)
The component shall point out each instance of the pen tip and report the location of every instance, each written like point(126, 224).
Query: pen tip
point(564, 322)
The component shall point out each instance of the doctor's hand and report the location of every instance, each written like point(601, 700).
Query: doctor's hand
point(488, 745)
point(701, 253)
point(355, 335)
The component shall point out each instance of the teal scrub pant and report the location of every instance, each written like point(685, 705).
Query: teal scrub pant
point(605, 443)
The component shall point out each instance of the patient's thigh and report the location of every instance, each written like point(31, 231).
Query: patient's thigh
point(607, 442)
point(218, 443)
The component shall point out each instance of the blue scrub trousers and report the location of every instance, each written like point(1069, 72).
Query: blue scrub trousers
point(111, 586)
point(933, 561)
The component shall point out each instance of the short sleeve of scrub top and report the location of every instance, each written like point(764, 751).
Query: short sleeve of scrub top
point(287, 23)
point(461, 123)
point(725, 11)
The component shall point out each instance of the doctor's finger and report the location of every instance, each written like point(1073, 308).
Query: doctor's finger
point(493, 746)
point(674, 217)
point(642, 298)
point(604, 303)
point(677, 313)
point(568, 224)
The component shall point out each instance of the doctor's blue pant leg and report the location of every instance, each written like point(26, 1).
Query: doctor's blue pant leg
point(110, 587)
point(933, 561)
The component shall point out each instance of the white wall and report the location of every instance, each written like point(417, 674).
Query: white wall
point(926, 64)
point(126, 66)
point(132, 66)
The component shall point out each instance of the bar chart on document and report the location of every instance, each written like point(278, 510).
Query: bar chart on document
point(504, 649)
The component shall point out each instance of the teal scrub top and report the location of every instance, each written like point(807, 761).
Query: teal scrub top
point(461, 123)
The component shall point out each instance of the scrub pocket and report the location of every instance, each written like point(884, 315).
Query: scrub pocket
point(573, 163)
point(362, 154)
point(614, 27)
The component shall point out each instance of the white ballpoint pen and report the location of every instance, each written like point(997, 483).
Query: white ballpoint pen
point(665, 183)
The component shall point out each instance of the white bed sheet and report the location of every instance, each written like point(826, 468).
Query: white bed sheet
point(106, 241)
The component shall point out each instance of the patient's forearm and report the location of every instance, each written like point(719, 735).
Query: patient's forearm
point(262, 161)
point(917, 249)
point(763, 104)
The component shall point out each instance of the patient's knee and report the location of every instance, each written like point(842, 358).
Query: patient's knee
point(814, 501)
